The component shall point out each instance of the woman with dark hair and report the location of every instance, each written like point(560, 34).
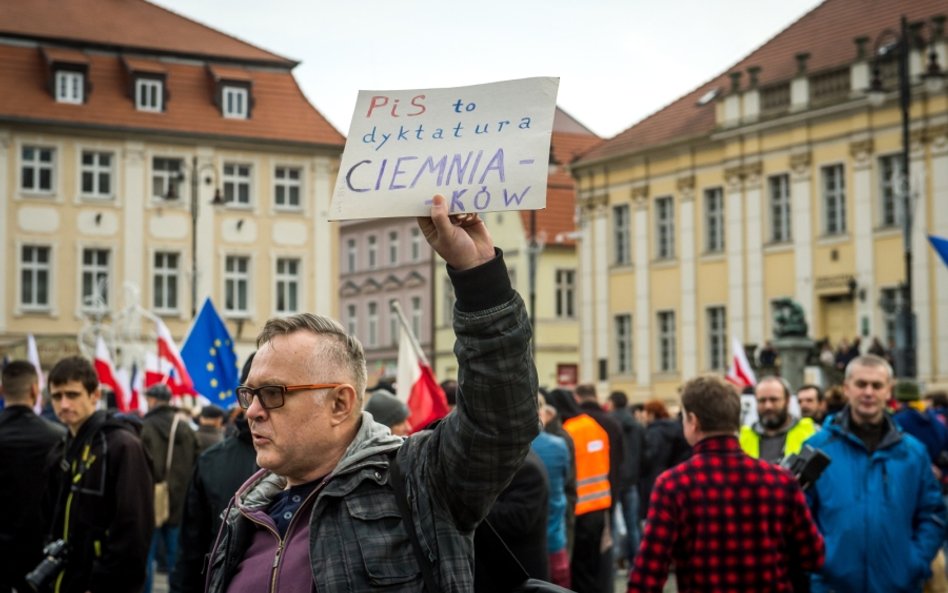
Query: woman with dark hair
point(665, 447)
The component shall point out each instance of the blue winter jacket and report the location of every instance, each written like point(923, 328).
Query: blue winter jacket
point(881, 514)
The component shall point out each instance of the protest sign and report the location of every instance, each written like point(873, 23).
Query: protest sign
point(485, 148)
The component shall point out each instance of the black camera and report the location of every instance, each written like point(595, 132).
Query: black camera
point(51, 565)
point(807, 465)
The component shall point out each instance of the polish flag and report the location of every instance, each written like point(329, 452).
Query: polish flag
point(32, 355)
point(416, 384)
point(740, 373)
point(107, 375)
point(136, 386)
point(167, 350)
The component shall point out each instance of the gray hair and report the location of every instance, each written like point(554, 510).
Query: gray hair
point(868, 360)
point(341, 350)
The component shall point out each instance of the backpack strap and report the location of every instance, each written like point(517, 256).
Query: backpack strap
point(397, 481)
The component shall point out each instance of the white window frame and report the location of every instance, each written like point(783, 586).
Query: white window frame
point(35, 269)
point(149, 94)
point(781, 222)
point(38, 165)
point(91, 276)
point(416, 316)
point(95, 172)
point(891, 180)
point(237, 179)
point(166, 276)
point(833, 198)
point(664, 228)
point(372, 323)
point(717, 338)
point(623, 344)
point(352, 255)
point(235, 279)
point(415, 244)
point(714, 220)
point(393, 248)
point(667, 342)
point(166, 176)
point(890, 321)
point(287, 280)
point(352, 319)
point(70, 87)
point(372, 251)
point(621, 237)
point(393, 328)
point(235, 102)
point(565, 293)
point(289, 186)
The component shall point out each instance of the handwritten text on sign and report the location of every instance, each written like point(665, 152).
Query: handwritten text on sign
point(485, 148)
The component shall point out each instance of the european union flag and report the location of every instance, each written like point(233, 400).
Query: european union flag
point(940, 246)
point(208, 354)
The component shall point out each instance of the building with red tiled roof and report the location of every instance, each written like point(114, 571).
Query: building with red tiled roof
point(775, 179)
point(147, 159)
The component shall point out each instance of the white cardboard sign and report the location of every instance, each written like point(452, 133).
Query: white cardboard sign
point(485, 148)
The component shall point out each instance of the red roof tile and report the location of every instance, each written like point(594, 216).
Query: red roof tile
point(827, 32)
point(69, 56)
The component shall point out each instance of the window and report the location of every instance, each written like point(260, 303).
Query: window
point(393, 248)
point(287, 187)
point(565, 294)
point(237, 183)
point(351, 254)
point(95, 279)
point(70, 86)
point(237, 284)
point(779, 188)
point(714, 220)
point(165, 178)
point(96, 174)
point(352, 320)
point(416, 316)
point(35, 275)
point(393, 329)
point(717, 338)
point(149, 94)
point(415, 244)
point(447, 310)
point(287, 285)
point(373, 318)
point(620, 235)
point(664, 228)
point(165, 281)
point(234, 102)
point(892, 183)
point(373, 251)
point(36, 168)
point(623, 344)
point(890, 312)
point(666, 342)
point(834, 200)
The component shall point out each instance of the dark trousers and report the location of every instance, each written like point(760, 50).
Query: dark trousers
point(586, 565)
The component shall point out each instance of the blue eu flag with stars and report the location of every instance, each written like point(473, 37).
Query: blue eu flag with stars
point(208, 354)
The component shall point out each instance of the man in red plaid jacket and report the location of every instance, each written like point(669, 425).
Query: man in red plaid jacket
point(727, 521)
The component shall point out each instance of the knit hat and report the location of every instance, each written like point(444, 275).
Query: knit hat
point(386, 408)
point(907, 391)
point(211, 411)
point(159, 391)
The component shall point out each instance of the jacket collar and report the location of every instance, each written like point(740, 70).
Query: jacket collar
point(723, 443)
point(842, 423)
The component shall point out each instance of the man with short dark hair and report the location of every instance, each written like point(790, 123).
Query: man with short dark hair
point(812, 404)
point(727, 521)
point(776, 433)
point(633, 443)
point(25, 441)
point(210, 427)
point(101, 491)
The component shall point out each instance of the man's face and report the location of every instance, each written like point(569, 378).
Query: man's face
point(867, 390)
point(809, 403)
point(292, 440)
point(73, 404)
point(772, 405)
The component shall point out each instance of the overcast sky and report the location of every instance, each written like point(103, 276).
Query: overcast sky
point(617, 60)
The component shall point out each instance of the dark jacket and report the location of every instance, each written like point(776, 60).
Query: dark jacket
point(357, 538)
point(633, 447)
point(519, 517)
point(155, 436)
point(110, 506)
point(218, 473)
point(665, 447)
point(25, 442)
point(207, 437)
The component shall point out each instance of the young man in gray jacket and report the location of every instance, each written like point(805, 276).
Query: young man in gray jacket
point(322, 515)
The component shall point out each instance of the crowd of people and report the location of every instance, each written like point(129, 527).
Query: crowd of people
point(313, 484)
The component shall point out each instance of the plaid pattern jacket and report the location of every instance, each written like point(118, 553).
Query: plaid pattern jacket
point(729, 523)
point(357, 538)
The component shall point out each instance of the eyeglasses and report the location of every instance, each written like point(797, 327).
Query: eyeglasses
point(272, 396)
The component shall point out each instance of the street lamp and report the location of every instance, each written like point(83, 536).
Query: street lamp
point(902, 42)
point(194, 171)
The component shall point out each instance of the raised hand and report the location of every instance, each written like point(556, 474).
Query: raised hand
point(461, 240)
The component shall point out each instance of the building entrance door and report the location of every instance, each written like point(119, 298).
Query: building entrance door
point(838, 318)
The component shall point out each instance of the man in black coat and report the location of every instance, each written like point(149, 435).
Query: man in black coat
point(25, 441)
point(633, 441)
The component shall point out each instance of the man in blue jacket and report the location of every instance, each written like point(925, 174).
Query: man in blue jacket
point(878, 504)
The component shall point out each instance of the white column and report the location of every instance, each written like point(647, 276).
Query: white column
point(863, 223)
point(735, 259)
point(132, 202)
point(643, 313)
point(689, 295)
point(755, 257)
point(587, 294)
point(205, 227)
point(323, 239)
point(801, 229)
point(921, 282)
point(938, 226)
point(6, 265)
point(601, 282)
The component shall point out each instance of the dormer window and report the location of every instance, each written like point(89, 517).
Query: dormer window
point(234, 102)
point(149, 94)
point(233, 91)
point(67, 75)
point(70, 87)
point(146, 83)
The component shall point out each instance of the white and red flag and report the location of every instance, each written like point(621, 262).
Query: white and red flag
point(107, 375)
point(740, 373)
point(168, 351)
point(32, 355)
point(415, 383)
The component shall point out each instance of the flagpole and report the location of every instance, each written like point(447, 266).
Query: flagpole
point(397, 309)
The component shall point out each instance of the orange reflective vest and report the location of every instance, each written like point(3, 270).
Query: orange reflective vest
point(592, 464)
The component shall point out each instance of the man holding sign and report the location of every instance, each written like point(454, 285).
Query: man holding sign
point(322, 514)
